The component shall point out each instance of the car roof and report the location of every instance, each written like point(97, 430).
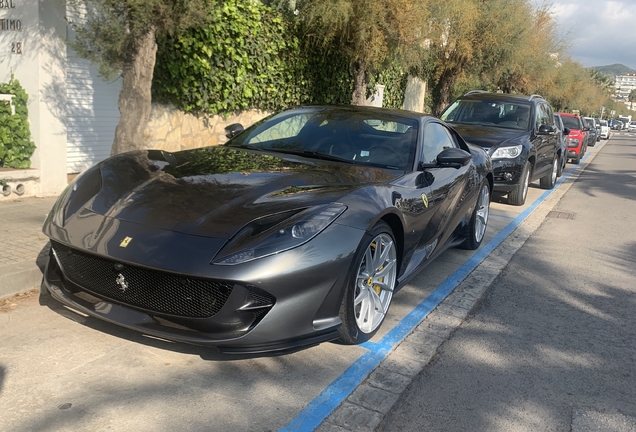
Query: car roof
point(568, 114)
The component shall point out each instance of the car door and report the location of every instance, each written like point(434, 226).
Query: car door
point(545, 145)
point(448, 186)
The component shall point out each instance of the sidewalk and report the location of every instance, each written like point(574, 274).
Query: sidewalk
point(22, 244)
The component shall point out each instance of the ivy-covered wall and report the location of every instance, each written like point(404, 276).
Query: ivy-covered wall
point(253, 57)
point(16, 147)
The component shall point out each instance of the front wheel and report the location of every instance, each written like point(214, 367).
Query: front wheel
point(549, 180)
point(369, 291)
point(479, 220)
point(517, 196)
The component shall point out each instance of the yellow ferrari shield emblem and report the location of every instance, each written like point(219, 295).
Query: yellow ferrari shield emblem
point(125, 242)
point(425, 200)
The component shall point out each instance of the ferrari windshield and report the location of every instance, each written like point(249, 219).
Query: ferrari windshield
point(363, 136)
point(508, 115)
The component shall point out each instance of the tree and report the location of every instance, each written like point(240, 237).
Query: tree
point(368, 33)
point(475, 38)
point(120, 36)
point(632, 98)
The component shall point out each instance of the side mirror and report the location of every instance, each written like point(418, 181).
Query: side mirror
point(453, 157)
point(233, 130)
point(566, 131)
point(546, 130)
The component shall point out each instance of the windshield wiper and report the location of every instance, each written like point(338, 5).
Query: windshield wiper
point(312, 154)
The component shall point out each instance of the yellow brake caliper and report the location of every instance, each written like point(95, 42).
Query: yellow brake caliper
point(375, 287)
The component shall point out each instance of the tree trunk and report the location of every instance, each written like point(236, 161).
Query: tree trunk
point(359, 84)
point(135, 98)
point(443, 91)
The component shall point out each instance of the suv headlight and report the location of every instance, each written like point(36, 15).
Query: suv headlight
point(509, 152)
point(288, 234)
point(573, 142)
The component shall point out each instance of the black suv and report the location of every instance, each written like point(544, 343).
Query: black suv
point(519, 134)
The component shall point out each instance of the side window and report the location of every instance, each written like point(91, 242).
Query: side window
point(543, 115)
point(287, 128)
point(436, 139)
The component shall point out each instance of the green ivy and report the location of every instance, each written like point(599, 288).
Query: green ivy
point(394, 80)
point(251, 56)
point(16, 147)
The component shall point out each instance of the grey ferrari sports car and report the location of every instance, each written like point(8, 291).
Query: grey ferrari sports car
point(299, 230)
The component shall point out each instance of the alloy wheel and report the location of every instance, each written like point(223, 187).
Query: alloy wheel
point(375, 283)
point(483, 209)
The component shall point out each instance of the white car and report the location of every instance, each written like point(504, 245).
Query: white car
point(632, 126)
point(605, 130)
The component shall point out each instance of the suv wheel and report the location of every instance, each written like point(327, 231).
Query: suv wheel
point(549, 180)
point(517, 196)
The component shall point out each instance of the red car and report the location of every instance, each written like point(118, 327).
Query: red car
point(576, 145)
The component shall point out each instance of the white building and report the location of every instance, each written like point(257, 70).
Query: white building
point(72, 112)
point(624, 85)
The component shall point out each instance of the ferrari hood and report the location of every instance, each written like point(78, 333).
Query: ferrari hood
point(487, 137)
point(214, 191)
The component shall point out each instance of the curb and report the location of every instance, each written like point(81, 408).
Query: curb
point(365, 408)
point(24, 276)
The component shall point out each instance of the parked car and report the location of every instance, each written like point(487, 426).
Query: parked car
point(632, 126)
point(562, 133)
point(297, 231)
point(605, 130)
point(577, 142)
point(614, 124)
point(597, 126)
point(518, 132)
point(590, 127)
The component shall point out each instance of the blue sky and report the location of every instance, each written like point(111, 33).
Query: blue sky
point(600, 32)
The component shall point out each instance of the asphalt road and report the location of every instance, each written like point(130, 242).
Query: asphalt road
point(553, 345)
point(63, 371)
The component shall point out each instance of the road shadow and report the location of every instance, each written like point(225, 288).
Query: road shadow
point(2, 374)
point(543, 340)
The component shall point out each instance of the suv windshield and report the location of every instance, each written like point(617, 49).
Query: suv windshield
point(571, 122)
point(508, 115)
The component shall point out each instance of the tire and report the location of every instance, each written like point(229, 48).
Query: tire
point(369, 289)
point(479, 221)
point(549, 180)
point(577, 158)
point(518, 195)
point(562, 161)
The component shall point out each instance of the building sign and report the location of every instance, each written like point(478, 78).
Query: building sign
point(11, 24)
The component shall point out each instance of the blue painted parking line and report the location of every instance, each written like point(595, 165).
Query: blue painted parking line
point(320, 408)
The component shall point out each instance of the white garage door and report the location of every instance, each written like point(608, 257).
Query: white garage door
point(92, 114)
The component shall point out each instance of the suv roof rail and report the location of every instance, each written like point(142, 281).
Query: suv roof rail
point(535, 96)
point(474, 92)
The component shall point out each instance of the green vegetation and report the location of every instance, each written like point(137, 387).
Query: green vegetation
point(16, 147)
point(614, 70)
point(222, 56)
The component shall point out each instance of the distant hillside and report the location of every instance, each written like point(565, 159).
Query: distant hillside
point(614, 70)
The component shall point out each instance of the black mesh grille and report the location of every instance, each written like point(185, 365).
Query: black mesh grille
point(151, 290)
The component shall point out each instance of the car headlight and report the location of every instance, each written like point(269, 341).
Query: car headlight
point(510, 152)
point(288, 234)
point(573, 142)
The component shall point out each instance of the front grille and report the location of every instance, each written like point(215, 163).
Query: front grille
point(151, 290)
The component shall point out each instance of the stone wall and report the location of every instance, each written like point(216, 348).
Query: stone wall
point(172, 130)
